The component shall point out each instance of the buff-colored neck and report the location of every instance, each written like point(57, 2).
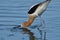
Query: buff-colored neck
point(29, 22)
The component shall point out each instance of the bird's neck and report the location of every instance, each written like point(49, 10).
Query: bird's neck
point(30, 19)
point(29, 22)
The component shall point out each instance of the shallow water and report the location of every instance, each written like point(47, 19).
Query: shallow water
point(14, 12)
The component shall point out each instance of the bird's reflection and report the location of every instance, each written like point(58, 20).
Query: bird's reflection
point(27, 31)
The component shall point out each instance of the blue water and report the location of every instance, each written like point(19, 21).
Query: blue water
point(14, 12)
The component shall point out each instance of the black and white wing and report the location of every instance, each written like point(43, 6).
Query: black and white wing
point(33, 8)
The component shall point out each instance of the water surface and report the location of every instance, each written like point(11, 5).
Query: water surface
point(14, 12)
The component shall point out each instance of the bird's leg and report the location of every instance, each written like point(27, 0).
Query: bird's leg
point(44, 29)
point(39, 27)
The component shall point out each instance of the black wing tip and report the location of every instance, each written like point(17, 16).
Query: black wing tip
point(30, 13)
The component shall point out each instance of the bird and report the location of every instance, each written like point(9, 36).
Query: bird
point(35, 11)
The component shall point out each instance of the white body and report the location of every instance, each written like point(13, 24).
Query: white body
point(40, 9)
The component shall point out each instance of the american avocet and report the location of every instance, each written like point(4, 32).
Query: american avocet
point(35, 11)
